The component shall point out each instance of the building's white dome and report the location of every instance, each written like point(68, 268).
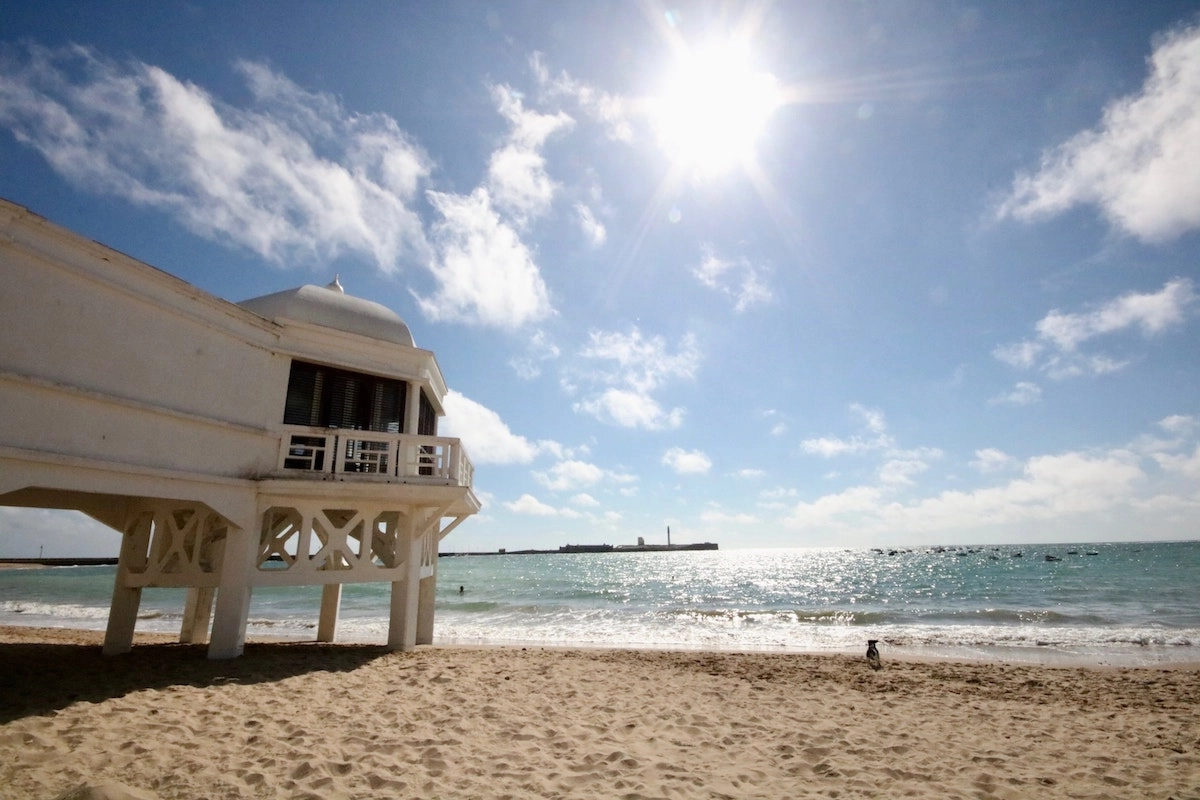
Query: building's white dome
point(330, 307)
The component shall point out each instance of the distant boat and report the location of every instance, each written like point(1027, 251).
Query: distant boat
point(1052, 558)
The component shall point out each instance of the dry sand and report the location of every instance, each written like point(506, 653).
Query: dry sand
point(326, 721)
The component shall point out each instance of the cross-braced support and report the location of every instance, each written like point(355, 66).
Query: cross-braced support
point(166, 543)
point(295, 542)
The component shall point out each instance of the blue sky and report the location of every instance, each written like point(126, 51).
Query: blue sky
point(792, 274)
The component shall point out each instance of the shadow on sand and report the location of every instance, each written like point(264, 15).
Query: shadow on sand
point(39, 678)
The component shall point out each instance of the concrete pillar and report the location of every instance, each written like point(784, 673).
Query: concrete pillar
point(233, 589)
point(425, 609)
point(412, 407)
point(197, 613)
point(402, 624)
point(122, 618)
point(126, 599)
point(331, 603)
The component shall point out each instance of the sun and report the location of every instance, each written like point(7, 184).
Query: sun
point(713, 107)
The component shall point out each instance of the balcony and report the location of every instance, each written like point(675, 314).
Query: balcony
point(393, 457)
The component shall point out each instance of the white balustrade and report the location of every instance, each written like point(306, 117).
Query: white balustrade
point(395, 456)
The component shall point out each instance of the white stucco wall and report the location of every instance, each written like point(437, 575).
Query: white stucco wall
point(107, 358)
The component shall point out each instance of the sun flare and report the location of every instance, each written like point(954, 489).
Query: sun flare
point(713, 107)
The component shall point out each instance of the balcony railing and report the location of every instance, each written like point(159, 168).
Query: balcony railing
point(394, 456)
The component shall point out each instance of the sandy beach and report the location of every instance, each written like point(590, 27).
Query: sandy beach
point(301, 720)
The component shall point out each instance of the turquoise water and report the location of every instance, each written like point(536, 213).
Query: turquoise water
point(1107, 603)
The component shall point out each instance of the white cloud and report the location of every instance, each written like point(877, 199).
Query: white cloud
point(630, 409)
point(530, 129)
point(540, 348)
point(900, 471)
point(517, 178)
point(1060, 367)
point(1024, 393)
point(898, 467)
point(607, 109)
point(738, 279)
point(1059, 335)
point(593, 230)
point(725, 519)
point(1179, 424)
point(990, 459)
point(902, 465)
point(872, 418)
point(585, 500)
point(686, 462)
point(874, 437)
point(1140, 165)
point(779, 425)
point(294, 177)
point(1152, 485)
point(570, 475)
point(1185, 465)
point(1052, 488)
point(485, 436)
point(518, 182)
point(633, 367)
point(830, 446)
point(1151, 313)
point(1178, 455)
point(1023, 355)
point(530, 505)
point(750, 473)
point(643, 363)
point(485, 272)
point(836, 510)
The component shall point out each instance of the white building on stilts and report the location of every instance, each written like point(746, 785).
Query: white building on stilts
point(286, 440)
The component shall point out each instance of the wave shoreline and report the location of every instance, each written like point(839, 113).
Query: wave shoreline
point(1126, 656)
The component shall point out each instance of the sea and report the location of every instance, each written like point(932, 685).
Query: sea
point(1119, 604)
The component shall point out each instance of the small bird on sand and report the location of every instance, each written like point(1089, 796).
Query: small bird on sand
point(873, 654)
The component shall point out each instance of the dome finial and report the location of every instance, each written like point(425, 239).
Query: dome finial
point(335, 284)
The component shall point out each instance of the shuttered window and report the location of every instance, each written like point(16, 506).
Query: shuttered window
point(303, 406)
point(427, 418)
point(325, 397)
point(387, 406)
